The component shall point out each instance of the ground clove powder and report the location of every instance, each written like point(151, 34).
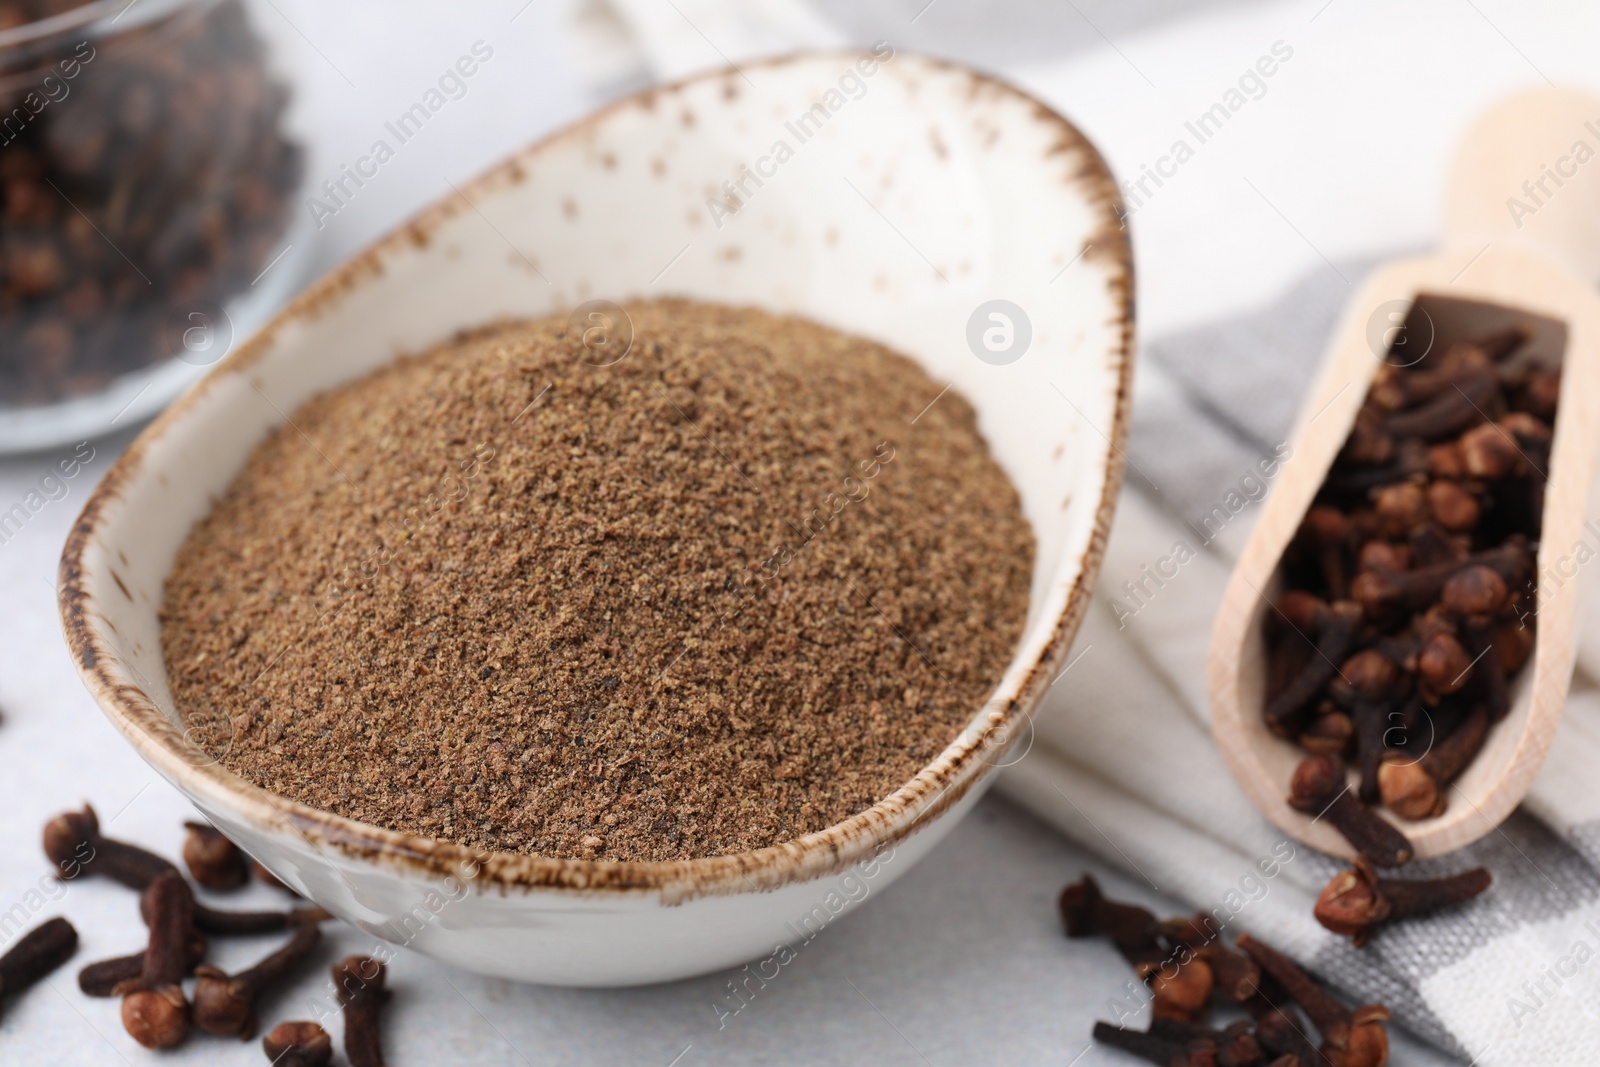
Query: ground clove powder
point(727, 591)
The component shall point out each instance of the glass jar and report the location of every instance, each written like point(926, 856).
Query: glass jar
point(147, 188)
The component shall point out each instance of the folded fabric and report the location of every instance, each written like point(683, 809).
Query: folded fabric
point(1122, 758)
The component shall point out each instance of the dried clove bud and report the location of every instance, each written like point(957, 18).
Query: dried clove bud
point(1086, 912)
point(1527, 430)
point(1319, 789)
point(298, 1044)
point(1367, 445)
point(1382, 595)
point(1433, 544)
point(74, 844)
point(1349, 1038)
point(1478, 637)
point(225, 1005)
point(1453, 507)
point(213, 861)
point(1488, 452)
point(1333, 643)
point(1356, 902)
point(1445, 461)
point(1452, 411)
point(1283, 1037)
point(101, 978)
point(1299, 611)
point(35, 954)
point(1237, 976)
point(1236, 1044)
point(1400, 509)
point(1473, 590)
point(222, 923)
point(359, 982)
point(1326, 529)
point(1181, 990)
point(154, 1010)
point(1383, 556)
point(1513, 644)
point(1413, 789)
point(1442, 665)
point(1368, 675)
point(1540, 394)
point(1330, 731)
point(1371, 720)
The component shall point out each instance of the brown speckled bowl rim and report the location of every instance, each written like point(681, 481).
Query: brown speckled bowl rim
point(934, 789)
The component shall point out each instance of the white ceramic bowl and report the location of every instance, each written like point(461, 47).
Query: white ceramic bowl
point(909, 196)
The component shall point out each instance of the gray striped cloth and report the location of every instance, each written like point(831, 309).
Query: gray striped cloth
point(1122, 760)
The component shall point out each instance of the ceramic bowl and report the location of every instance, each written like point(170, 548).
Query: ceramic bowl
point(886, 195)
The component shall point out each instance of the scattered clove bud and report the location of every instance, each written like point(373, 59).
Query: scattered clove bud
point(74, 844)
point(1284, 1037)
point(221, 923)
point(101, 978)
point(35, 954)
point(154, 1010)
point(298, 1044)
point(1349, 1038)
point(359, 982)
point(225, 1005)
point(1356, 902)
point(1180, 990)
point(213, 861)
point(1086, 912)
point(1237, 976)
point(1196, 1052)
point(1260, 980)
point(1236, 1043)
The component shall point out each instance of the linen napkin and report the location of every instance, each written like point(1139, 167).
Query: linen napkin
point(1122, 759)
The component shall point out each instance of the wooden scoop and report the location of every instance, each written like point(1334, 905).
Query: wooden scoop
point(1513, 253)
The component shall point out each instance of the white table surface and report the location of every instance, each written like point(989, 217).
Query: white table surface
point(962, 961)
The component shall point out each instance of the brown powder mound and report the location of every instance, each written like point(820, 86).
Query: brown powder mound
point(710, 598)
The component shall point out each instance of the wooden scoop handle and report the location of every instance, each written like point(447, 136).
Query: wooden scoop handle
point(1527, 174)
